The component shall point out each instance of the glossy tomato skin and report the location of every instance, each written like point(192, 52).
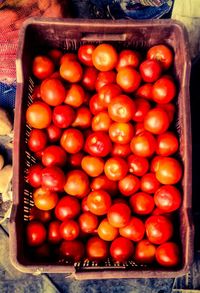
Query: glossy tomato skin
point(143, 144)
point(63, 116)
point(134, 231)
point(107, 93)
point(129, 185)
point(54, 236)
point(167, 144)
point(106, 231)
point(83, 118)
point(104, 57)
point(35, 233)
point(128, 79)
point(75, 159)
point(55, 55)
point(102, 182)
point(115, 168)
point(34, 175)
point(68, 57)
point(164, 90)
point(168, 198)
point(77, 183)
point(170, 110)
point(145, 252)
point(103, 78)
point(156, 121)
point(121, 249)
point(75, 96)
point(144, 91)
point(41, 216)
point(43, 67)
point(101, 121)
point(44, 199)
point(121, 108)
point(128, 58)
point(89, 78)
point(96, 249)
point(149, 183)
point(168, 254)
point(69, 230)
point(53, 178)
point(54, 133)
point(150, 70)
point(54, 156)
point(169, 171)
point(98, 202)
point(68, 207)
point(39, 115)
point(52, 91)
point(72, 250)
point(121, 150)
point(142, 108)
point(95, 105)
point(121, 132)
point(72, 140)
point(155, 163)
point(139, 128)
point(119, 215)
point(85, 54)
point(142, 203)
point(161, 53)
point(98, 144)
point(88, 222)
point(93, 166)
point(37, 140)
point(137, 165)
point(71, 71)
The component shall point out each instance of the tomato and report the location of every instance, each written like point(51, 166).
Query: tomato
point(156, 121)
point(67, 57)
point(41, 216)
point(54, 236)
point(84, 205)
point(121, 249)
point(170, 110)
point(88, 222)
point(169, 171)
point(142, 108)
point(101, 121)
point(43, 67)
point(107, 93)
point(168, 198)
point(134, 230)
point(97, 249)
point(53, 178)
point(98, 144)
point(115, 168)
point(121, 150)
point(45, 199)
point(72, 140)
point(105, 77)
point(121, 108)
point(95, 105)
point(55, 55)
point(52, 91)
point(129, 185)
point(75, 159)
point(36, 93)
point(144, 91)
point(72, 250)
point(149, 183)
point(143, 144)
point(77, 183)
point(38, 115)
point(145, 252)
point(142, 203)
point(99, 202)
point(75, 96)
point(106, 231)
point(93, 166)
point(161, 53)
point(159, 229)
point(83, 118)
point(150, 70)
point(128, 79)
point(155, 163)
point(138, 165)
point(35, 233)
point(128, 58)
point(102, 182)
point(168, 254)
point(85, 54)
point(89, 78)
point(54, 133)
point(42, 252)
point(34, 175)
point(104, 57)
point(54, 156)
point(121, 133)
point(69, 230)
point(71, 71)
point(68, 207)
point(119, 215)
point(37, 140)
point(63, 116)
point(139, 128)
point(167, 144)
point(164, 90)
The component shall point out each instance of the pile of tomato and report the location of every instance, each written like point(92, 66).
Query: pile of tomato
point(106, 181)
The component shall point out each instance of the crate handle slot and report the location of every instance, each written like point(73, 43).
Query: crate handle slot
point(104, 37)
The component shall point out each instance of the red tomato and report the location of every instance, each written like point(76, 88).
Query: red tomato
point(139, 128)
point(75, 96)
point(36, 93)
point(93, 166)
point(119, 215)
point(142, 203)
point(99, 202)
point(159, 229)
point(37, 140)
point(45, 199)
point(68, 207)
point(156, 121)
point(41, 216)
point(54, 236)
point(34, 175)
point(164, 90)
point(134, 230)
point(55, 55)
point(89, 78)
point(168, 254)
point(150, 70)
point(142, 108)
point(102, 182)
point(54, 156)
point(76, 159)
point(107, 93)
point(72, 140)
point(167, 144)
point(170, 110)
point(149, 183)
point(98, 144)
point(128, 79)
point(69, 230)
point(52, 91)
point(84, 205)
point(121, 133)
point(35, 233)
point(138, 165)
point(43, 67)
point(63, 116)
point(128, 58)
point(155, 163)
point(77, 183)
point(169, 171)
point(129, 185)
point(83, 117)
point(145, 252)
point(97, 249)
point(53, 178)
point(54, 133)
point(168, 198)
point(121, 150)
point(121, 108)
point(104, 57)
point(71, 71)
point(68, 57)
point(103, 78)
point(72, 250)
point(42, 252)
point(161, 53)
point(101, 121)
point(121, 249)
point(95, 105)
point(143, 144)
point(38, 115)
point(88, 222)
point(106, 231)
point(144, 91)
point(85, 54)
point(115, 168)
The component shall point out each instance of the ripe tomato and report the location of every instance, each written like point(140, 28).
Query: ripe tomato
point(83, 117)
point(34, 175)
point(121, 133)
point(68, 207)
point(155, 163)
point(85, 54)
point(53, 178)
point(69, 230)
point(121, 108)
point(41, 216)
point(45, 199)
point(102, 182)
point(149, 183)
point(101, 121)
point(143, 144)
point(95, 105)
point(89, 78)
point(75, 96)
point(119, 215)
point(77, 183)
point(170, 110)
point(121, 150)
point(142, 108)
point(98, 144)
point(107, 93)
point(156, 121)
point(67, 57)
point(36, 93)
point(72, 250)
point(150, 70)
point(88, 222)
point(168, 198)
point(139, 128)
point(128, 58)
point(71, 71)
point(63, 116)
point(93, 166)
point(42, 252)
point(97, 249)
point(161, 53)
point(43, 67)
point(38, 115)
point(129, 185)
point(54, 236)
point(159, 229)
point(55, 55)
point(121, 249)
point(169, 171)
point(167, 144)
point(144, 91)
point(37, 140)
point(99, 202)
point(115, 168)
point(84, 205)
point(138, 165)
point(54, 133)
point(168, 254)
point(75, 159)
point(52, 91)
point(72, 140)
point(128, 79)
point(54, 156)
point(142, 203)
point(145, 252)
point(134, 230)
point(103, 78)
point(106, 231)
point(164, 90)
point(35, 233)
point(104, 57)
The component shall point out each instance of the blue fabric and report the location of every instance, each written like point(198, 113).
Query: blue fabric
point(7, 95)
